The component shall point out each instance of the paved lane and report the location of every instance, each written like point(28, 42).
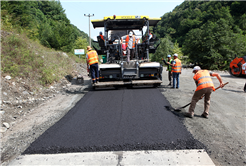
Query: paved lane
point(115, 120)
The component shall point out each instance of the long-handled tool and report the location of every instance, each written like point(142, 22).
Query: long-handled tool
point(178, 109)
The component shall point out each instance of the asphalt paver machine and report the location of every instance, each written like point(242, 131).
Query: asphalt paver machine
point(116, 70)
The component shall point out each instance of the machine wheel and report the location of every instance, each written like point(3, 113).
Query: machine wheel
point(235, 71)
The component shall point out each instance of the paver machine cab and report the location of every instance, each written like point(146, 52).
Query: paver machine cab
point(236, 66)
point(116, 70)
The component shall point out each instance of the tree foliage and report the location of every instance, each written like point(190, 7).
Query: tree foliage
point(165, 48)
point(209, 32)
point(45, 21)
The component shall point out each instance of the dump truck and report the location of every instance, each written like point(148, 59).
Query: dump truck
point(116, 70)
point(235, 68)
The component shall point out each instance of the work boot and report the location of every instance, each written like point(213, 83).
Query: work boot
point(244, 88)
point(204, 116)
point(187, 114)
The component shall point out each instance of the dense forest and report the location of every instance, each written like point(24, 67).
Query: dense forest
point(45, 21)
point(209, 33)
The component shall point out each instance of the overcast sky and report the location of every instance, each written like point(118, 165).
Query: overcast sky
point(75, 10)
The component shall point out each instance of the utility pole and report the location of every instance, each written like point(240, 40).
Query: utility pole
point(89, 15)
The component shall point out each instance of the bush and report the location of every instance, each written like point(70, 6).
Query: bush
point(22, 57)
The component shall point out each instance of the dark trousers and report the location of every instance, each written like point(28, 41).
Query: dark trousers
point(170, 77)
point(94, 72)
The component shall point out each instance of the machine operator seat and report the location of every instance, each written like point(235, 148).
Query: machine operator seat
point(153, 40)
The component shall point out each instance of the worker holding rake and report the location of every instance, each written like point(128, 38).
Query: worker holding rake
point(205, 87)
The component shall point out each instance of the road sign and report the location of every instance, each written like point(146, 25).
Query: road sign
point(79, 51)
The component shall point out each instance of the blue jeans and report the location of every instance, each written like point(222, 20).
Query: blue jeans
point(175, 77)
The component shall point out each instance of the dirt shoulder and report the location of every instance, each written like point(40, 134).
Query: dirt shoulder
point(223, 133)
point(25, 114)
point(28, 128)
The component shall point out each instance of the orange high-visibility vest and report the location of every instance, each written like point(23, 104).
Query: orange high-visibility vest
point(177, 67)
point(127, 40)
point(203, 80)
point(101, 37)
point(92, 57)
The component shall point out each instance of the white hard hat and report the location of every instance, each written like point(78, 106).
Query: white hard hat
point(130, 34)
point(175, 54)
point(196, 68)
point(169, 56)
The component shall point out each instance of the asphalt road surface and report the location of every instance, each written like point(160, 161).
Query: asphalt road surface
point(115, 120)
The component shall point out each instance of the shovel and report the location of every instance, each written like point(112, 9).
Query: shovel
point(178, 109)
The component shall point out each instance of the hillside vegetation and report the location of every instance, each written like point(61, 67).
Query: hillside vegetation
point(45, 21)
point(38, 41)
point(210, 33)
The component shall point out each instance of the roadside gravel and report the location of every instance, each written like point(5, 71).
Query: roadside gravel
point(223, 133)
point(25, 114)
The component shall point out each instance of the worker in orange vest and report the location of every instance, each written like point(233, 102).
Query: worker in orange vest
point(102, 37)
point(130, 41)
point(176, 70)
point(92, 64)
point(205, 87)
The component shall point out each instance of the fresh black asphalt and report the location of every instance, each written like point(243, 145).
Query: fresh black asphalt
point(115, 120)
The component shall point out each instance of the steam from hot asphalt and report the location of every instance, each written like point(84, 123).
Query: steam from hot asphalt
point(115, 120)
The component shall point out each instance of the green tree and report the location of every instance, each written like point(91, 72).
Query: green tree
point(176, 49)
point(242, 23)
point(165, 48)
point(193, 14)
point(213, 44)
point(81, 43)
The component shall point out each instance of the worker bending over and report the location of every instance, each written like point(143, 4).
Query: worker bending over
point(92, 63)
point(205, 87)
